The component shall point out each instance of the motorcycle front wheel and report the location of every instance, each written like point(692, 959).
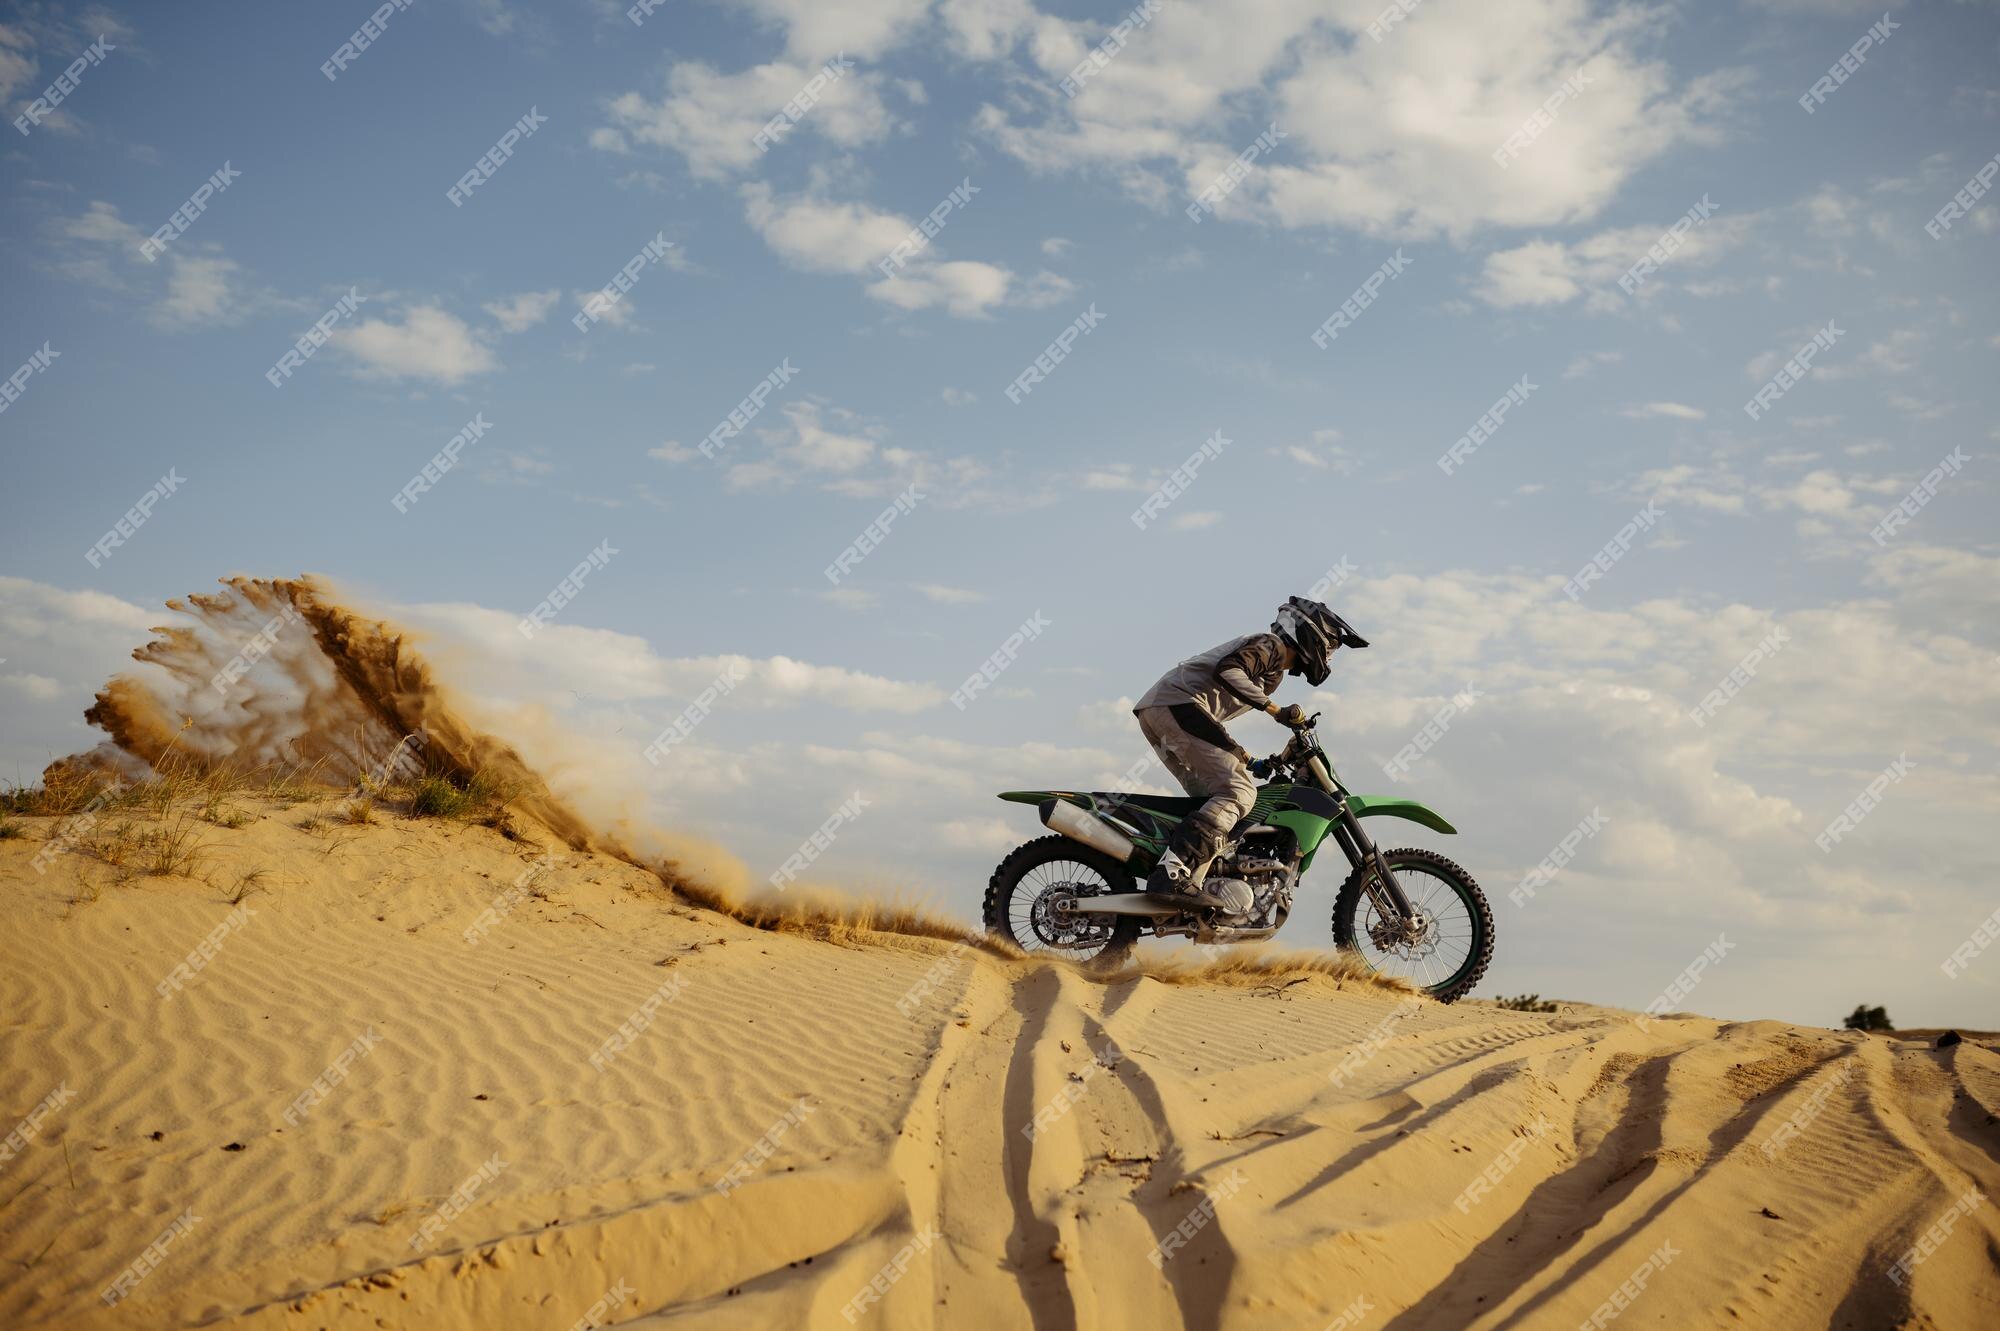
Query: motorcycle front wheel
point(1029, 902)
point(1455, 938)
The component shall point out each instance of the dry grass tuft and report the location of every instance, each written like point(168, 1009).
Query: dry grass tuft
point(1249, 966)
point(830, 918)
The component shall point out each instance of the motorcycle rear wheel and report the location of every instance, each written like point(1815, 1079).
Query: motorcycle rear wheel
point(1028, 875)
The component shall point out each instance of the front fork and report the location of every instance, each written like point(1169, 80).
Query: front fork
point(1382, 887)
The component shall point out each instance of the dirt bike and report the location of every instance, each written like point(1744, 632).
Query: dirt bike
point(1410, 913)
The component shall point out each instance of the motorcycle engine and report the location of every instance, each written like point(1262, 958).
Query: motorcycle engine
point(1266, 860)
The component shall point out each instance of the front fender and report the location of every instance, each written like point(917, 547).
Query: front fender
point(1377, 806)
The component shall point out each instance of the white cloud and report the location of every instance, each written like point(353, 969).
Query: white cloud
point(949, 595)
point(959, 397)
point(430, 343)
point(195, 286)
point(1394, 137)
point(1195, 521)
point(965, 288)
point(199, 291)
point(815, 29)
point(1678, 411)
point(518, 313)
point(1546, 272)
point(714, 119)
point(827, 236)
point(1584, 362)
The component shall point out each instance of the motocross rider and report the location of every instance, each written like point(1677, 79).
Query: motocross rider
point(1181, 716)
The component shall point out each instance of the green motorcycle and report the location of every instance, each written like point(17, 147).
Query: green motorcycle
point(1408, 913)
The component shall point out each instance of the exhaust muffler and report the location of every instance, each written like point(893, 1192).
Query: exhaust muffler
point(1080, 825)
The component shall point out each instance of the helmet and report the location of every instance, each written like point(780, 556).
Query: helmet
point(1313, 631)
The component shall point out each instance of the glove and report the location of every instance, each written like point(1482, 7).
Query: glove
point(1261, 768)
point(1293, 715)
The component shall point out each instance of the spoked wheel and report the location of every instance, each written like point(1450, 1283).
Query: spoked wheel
point(1032, 900)
point(1451, 942)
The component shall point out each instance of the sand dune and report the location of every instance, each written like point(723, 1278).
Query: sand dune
point(433, 1071)
point(1315, 1138)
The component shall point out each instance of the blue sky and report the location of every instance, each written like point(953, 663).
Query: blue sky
point(1387, 148)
